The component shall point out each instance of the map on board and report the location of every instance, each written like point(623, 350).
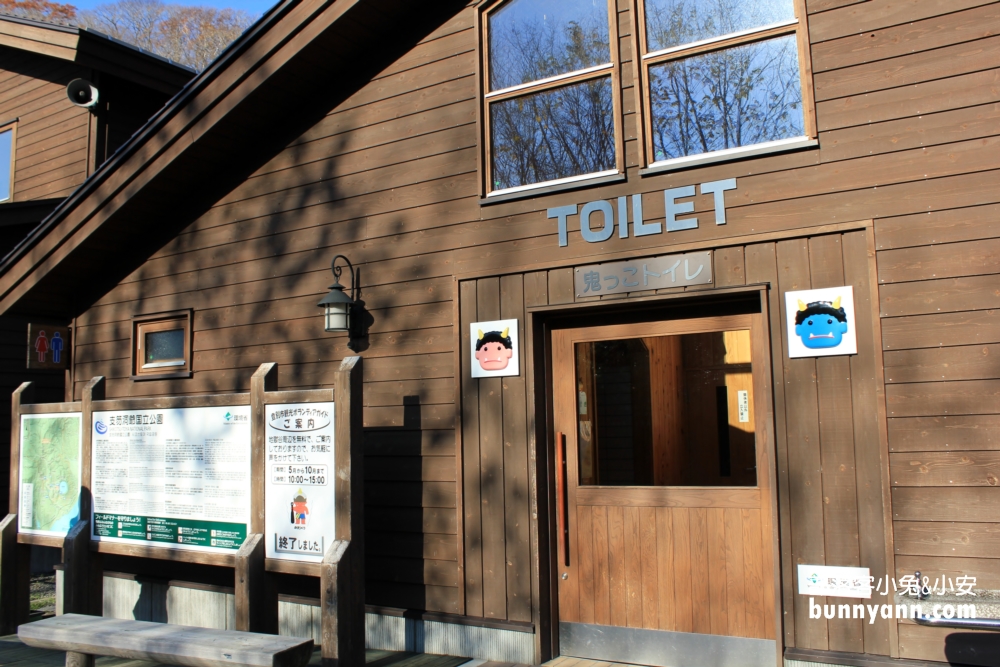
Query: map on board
point(50, 473)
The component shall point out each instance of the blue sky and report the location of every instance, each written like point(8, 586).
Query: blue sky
point(252, 6)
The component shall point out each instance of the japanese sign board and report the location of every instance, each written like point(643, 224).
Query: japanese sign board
point(648, 273)
point(49, 473)
point(299, 521)
point(839, 582)
point(176, 478)
point(48, 347)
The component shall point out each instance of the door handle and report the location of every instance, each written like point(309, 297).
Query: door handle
point(562, 503)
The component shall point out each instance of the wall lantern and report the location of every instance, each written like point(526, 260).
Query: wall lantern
point(342, 312)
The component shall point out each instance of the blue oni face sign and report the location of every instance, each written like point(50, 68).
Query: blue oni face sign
point(821, 324)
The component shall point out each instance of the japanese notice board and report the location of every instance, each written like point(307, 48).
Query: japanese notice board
point(177, 478)
point(647, 273)
point(49, 473)
point(299, 488)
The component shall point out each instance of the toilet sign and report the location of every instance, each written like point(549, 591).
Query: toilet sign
point(48, 347)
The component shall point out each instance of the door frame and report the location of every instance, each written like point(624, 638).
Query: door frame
point(542, 321)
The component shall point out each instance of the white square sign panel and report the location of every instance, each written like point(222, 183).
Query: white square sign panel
point(495, 349)
point(821, 322)
point(832, 581)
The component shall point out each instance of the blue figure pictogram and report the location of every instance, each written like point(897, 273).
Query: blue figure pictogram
point(56, 345)
point(821, 324)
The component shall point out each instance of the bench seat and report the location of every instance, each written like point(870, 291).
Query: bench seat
point(162, 642)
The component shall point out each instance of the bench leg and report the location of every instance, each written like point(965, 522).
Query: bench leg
point(74, 659)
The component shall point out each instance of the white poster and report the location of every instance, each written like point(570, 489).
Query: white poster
point(832, 581)
point(177, 478)
point(299, 489)
point(821, 322)
point(495, 349)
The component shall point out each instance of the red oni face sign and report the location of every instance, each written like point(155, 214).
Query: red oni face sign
point(494, 350)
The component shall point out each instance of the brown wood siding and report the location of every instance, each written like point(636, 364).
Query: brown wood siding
point(908, 113)
point(50, 159)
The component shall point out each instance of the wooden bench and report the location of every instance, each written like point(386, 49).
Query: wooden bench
point(83, 637)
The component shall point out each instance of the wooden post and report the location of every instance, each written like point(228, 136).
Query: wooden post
point(337, 640)
point(14, 563)
point(94, 390)
point(350, 494)
point(256, 596)
point(15, 559)
point(77, 572)
point(262, 610)
point(74, 659)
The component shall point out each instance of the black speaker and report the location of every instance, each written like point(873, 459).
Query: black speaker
point(81, 93)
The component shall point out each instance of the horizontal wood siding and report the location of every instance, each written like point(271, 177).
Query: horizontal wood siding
point(50, 159)
point(908, 113)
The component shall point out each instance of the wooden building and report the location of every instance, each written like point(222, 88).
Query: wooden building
point(660, 465)
point(49, 146)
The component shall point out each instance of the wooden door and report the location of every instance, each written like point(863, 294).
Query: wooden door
point(664, 454)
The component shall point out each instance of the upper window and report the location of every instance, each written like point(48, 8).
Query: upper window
point(162, 345)
point(6, 162)
point(550, 102)
point(721, 75)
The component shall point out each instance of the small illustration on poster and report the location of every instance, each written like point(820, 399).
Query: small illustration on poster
point(494, 349)
point(300, 509)
point(821, 322)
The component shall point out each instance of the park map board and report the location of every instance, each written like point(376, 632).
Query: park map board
point(50, 473)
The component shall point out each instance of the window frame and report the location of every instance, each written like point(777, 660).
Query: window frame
point(12, 126)
point(488, 97)
point(798, 27)
point(152, 323)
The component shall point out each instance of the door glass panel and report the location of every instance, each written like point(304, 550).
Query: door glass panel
point(666, 411)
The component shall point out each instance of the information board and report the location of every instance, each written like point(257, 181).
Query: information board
point(49, 473)
point(176, 478)
point(299, 489)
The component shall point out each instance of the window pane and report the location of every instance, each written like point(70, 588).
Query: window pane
point(558, 133)
point(725, 99)
point(164, 346)
point(666, 411)
point(675, 22)
point(5, 148)
point(536, 39)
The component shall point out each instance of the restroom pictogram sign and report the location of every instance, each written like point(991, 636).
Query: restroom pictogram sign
point(48, 347)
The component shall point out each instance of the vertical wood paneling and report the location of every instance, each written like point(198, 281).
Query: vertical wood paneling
point(684, 616)
point(633, 569)
point(718, 582)
point(729, 267)
point(753, 571)
point(700, 586)
point(735, 576)
point(647, 537)
point(561, 286)
point(866, 368)
point(585, 560)
point(472, 504)
point(616, 565)
point(762, 267)
point(517, 512)
point(833, 386)
point(491, 471)
point(665, 568)
point(602, 573)
point(802, 425)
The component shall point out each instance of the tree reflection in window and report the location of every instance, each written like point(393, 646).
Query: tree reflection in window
point(553, 134)
point(733, 97)
point(671, 23)
point(546, 130)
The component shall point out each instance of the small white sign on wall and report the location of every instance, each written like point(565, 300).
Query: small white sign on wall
point(495, 349)
point(821, 322)
point(838, 582)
